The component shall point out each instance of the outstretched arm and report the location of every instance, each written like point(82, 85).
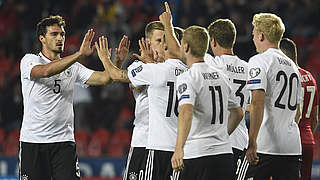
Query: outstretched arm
point(115, 73)
point(55, 67)
point(171, 40)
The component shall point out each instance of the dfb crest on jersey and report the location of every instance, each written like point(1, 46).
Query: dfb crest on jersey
point(254, 72)
point(133, 176)
point(136, 70)
point(182, 88)
point(68, 73)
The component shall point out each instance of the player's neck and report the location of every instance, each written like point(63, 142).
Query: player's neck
point(50, 55)
point(192, 60)
point(268, 46)
point(223, 51)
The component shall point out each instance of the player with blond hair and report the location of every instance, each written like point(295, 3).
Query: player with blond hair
point(275, 84)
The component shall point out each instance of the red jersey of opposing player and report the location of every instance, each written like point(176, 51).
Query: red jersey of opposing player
point(310, 100)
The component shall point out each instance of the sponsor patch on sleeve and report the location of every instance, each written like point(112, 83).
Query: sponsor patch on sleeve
point(254, 81)
point(136, 70)
point(185, 96)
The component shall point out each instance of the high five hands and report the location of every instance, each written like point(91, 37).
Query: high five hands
point(103, 50)
point(86, 49)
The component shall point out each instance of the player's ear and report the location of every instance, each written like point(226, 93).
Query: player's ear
point(261, 37)
point(186, 47)
point(41, 38)
point(213, 42)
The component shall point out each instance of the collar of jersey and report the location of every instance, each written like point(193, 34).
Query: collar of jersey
point(44, 58)
point(176, 61)
point(198, 64)
point(229, 56)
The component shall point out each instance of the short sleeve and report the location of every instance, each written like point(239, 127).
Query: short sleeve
point(27, 63)
point(257, 77)
point(83, 74)
point(141, 74)
point(185, 89)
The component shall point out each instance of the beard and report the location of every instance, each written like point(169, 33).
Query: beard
point(58, 51)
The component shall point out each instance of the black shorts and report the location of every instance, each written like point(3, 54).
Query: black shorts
point(158, 166)
point(136, 163)
point(242, 164)
point(45, 161)
point(280, 167)
point(217, 167)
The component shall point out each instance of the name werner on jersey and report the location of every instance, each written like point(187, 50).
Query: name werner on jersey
point(210, 76)
point(235, 69)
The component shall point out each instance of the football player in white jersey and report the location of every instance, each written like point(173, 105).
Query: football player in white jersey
point(136, 160)
point(47, 145)
point(162, 105)
point(275, 84)
point(222, 38)
point(203, 149)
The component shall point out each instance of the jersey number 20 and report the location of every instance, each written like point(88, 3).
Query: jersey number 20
point(292, 76)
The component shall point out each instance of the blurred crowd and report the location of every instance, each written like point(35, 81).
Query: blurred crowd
point(112, 107)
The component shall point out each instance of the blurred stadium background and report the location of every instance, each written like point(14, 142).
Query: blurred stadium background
point(103, 115)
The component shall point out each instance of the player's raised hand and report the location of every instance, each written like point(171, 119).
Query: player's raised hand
point(122, 50)
point(177, 160)
point(86, 48)
point(146, 52)
point(251, 153)
point(103, 50)
point(166, 17)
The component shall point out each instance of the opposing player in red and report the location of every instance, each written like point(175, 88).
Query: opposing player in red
point(309, 109)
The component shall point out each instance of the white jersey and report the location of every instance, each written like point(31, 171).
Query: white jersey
point(161, 79)
point(209, 91)
point(278, 76)
point(48, 102)
point(237, 71)
point(141, 121)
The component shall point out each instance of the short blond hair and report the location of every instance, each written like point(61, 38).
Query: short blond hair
point(152, 26)
point(198, 39)
point(270, 25)
point(224, 32)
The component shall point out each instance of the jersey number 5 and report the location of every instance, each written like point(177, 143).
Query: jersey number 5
point(57, 86)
